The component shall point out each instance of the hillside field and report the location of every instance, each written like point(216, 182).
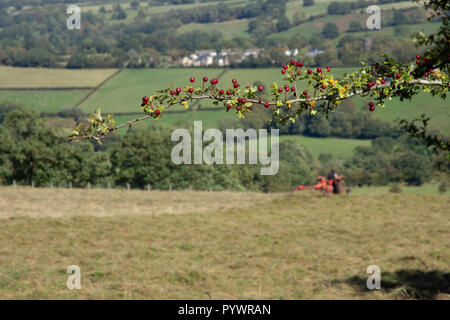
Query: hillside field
point(176, 245)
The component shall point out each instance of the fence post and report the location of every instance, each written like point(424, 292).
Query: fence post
point(14, 183)
point(148, 187)
point(89, 185)
point(32, 184)
point(170, 187)
point(51, 184)
point(128, 186)
point(109, 185)
point(70, 185)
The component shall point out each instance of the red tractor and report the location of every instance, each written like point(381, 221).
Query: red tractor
point(327, 186)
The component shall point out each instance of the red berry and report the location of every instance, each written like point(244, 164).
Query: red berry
point(280, 89)
point(301, 64)
point(309, 71)
point(192, 80)
point(205, 79)
point(221, 92)
point(398, 75)
point(431, 71)
point(328, 68)
point(299, 72)
point(293, 89)
point(417, 61)
point(417, 57)
point(298, 64)
point(305, 93)
point(178, 90)
point(383, 81)
point(285, 67)
point(228, 92)
point(234, 81)
point(260, 88)
point(157, 112)
point(371, 104)
point(238, 108)
point(172, 92)
point(145, 99)
point(266, 105)
point(190, 90)
point(228, 106)
point(319, 70)
point(236, 85)
point(372, 109)
point(324, 87)
point(292, 62)
point(283, 71)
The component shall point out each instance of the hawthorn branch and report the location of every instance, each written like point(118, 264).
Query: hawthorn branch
point(329, 98)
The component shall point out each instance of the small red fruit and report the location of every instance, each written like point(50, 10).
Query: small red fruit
point(309, 71)
point(372, 109)
point(157, 112)
point(293, 89)
point(192, 80)
point(328, 68)
point(221, 92)
point(236, 85)
point(285, 67)
point(305, 93)
point(205, 79)
point(383, 81)
point(172, 92)
point(283, 71)
point(228, 106)
point(319, 70)
point(324, 87)
point(234, 81)
point(228, 93)
point(178, 90)
point(418, 57)
point(398, 75)
point(190, 90)
point(266, 105)
point(260, 88)
point(280, 89)
point(371, 104)
point(292, 62)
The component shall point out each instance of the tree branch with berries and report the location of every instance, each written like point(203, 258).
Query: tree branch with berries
point(323, 93)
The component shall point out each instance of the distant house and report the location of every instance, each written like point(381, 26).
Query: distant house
point(252, 52)
point(205, 58)
point(291, 53)
point(368, 44)
point(315, 52)
point(202, 58)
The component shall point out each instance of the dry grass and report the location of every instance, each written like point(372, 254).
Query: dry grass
point(11, 77)
point(222, 245)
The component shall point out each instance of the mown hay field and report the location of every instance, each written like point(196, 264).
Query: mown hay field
point(207, 245)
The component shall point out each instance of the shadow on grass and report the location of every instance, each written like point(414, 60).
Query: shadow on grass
point(409, 284)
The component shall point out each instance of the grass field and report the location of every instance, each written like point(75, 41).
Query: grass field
point(339, 148)
point(123, 93)
point(11, 77)
point(176, 245)
point(46, 101)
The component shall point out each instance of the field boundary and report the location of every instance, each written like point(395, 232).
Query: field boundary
point(96, 88)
